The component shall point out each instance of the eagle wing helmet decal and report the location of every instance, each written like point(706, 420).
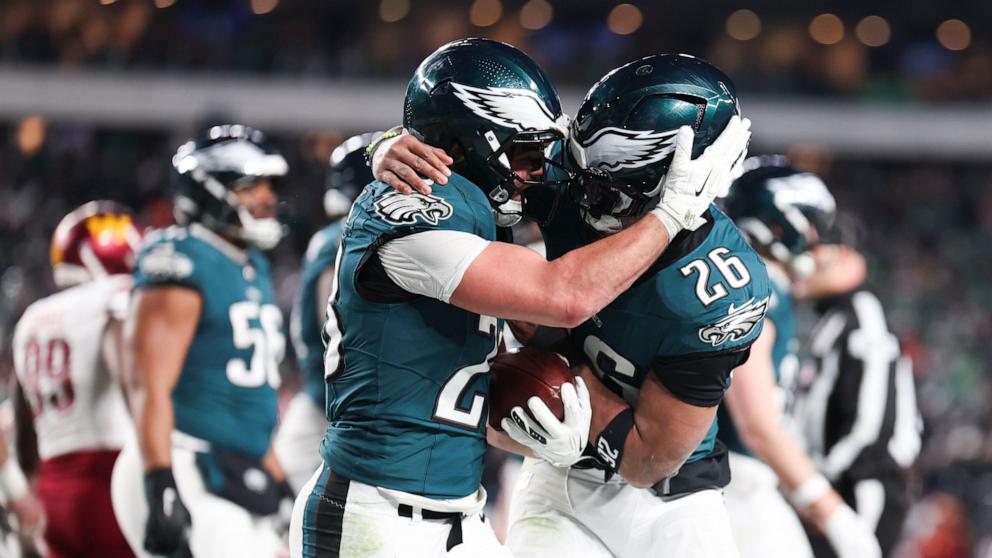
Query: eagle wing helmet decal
point(738, 324)
point(518, 109)
point(404, 209)
point(612, 149)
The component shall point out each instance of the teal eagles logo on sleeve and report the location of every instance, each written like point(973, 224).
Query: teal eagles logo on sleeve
point(738, 324)
point(163, 262)
point(404, 209)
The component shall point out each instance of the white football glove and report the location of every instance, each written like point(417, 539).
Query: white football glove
point(691, 185)
point(560, 443)
point(849, 536)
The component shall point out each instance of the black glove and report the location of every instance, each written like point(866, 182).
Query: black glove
point(167, 528)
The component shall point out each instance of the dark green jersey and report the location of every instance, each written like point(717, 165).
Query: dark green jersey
point(226, 392)
point(688, 319)
point(785, 358)
point(407, 374)
point(304, 324)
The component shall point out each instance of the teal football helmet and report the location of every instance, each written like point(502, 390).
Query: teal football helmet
point(782, 211)
point(348, 175)
point(486, 103)
point(623, 137)
point(209, 169)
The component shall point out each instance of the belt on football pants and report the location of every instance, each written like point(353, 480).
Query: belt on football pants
point(454, 518)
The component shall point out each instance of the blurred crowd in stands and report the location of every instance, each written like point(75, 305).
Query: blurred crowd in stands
point(907, 52)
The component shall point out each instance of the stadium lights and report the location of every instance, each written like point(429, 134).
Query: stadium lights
point(107, 2)
point(164, 3)
point(261, 7)
point(873, 31)
point(393, 10)
point(826, 29)
point(624, 19)
point(536, 14)
point(954, 34)
point(484, 13)
point(743, 25)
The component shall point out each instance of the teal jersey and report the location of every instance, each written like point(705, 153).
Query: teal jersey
point(704, 299)
point(785, 359)
point(407, 375)
point(226, 393)
point(304, 326)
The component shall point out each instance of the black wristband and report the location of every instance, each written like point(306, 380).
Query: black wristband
point(610, 442)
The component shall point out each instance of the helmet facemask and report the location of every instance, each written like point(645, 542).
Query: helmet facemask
point(221, 170)
point(526, 151)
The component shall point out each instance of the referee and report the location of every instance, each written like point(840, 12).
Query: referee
point(858, 409)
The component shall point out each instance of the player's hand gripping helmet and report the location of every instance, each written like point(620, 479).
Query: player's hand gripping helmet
point(482, 101)
point(348, 175)
point(781, 210)
point(95, 240)
point(210, 169)
point(623, 136)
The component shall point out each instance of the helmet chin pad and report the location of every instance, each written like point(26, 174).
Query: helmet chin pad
point(264, 233)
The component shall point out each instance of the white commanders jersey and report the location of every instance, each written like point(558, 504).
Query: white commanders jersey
point(77, 404)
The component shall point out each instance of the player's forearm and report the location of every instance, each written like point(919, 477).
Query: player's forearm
point(155, 422)
point(593, 276)
point(646, 462)
point(773, 445)
point(500, 440)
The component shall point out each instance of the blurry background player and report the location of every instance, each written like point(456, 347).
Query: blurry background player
point(302, 426)
point(858, 406)
point(781, 212)
point(203, 341)
point(68, 362)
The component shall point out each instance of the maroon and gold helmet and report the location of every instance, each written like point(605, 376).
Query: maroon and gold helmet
point(95, 240)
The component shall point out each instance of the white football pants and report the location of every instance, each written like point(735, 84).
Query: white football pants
point(570, 512)
point(370, 525)
point(765, 525)
point(220, 528)
point(297, 442)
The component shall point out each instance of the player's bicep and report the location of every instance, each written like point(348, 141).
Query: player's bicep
point(751, 396)
point(513, 282)
point(158, 332)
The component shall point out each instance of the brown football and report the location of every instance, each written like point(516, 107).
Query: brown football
point(517, 376)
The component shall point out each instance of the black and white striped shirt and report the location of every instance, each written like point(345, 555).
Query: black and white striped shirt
point(859, 414)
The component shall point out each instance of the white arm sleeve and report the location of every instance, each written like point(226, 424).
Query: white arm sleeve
point(431, 263)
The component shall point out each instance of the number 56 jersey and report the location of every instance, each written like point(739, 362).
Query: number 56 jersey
point(226, 393)
point(407, 375)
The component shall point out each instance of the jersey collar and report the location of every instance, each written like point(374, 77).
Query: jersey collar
point(234, 253)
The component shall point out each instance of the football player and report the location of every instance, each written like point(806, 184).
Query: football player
point(68, 364)
point(410, 333)
point(660, 354)
point(782, 212)
point(859, 412)
point(203, 341)
point(303, 424)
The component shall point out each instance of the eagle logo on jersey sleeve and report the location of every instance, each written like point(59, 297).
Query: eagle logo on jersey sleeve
point(738, 324)
point(613, 149)
point(404, 209)
point(164, 262)
point(518, 109)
